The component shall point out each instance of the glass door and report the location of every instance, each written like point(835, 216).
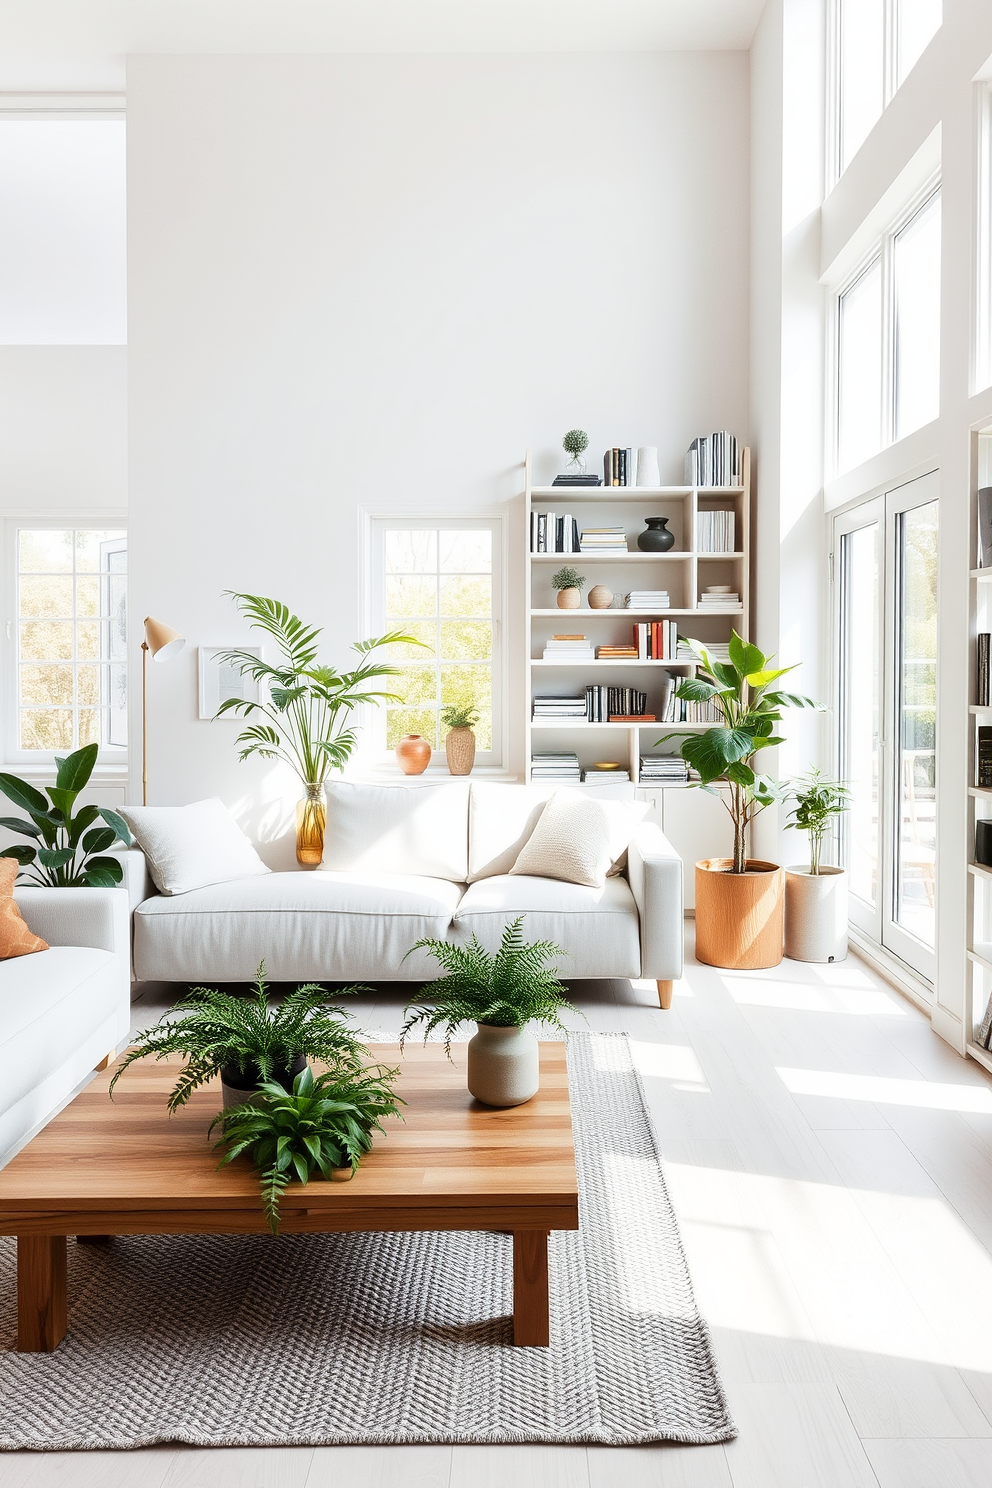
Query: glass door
point(858, 554)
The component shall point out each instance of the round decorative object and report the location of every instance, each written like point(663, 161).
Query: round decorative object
point(816, 914)
point(459, 747)
point(414, 754)
point(569, 599)
point(503, 1067)
point(600, 598)
point(238, 1087)
point(648, 470)
point(656, 537)
point(739, 919)
point(311, 819)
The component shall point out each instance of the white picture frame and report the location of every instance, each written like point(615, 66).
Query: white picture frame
point(218, 682)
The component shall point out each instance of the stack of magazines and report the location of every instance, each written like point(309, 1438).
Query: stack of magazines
point(605, 773)
point(602, 540)
point(560, 707)
point(555, 767)
point(668, 769)
point(568, 648)
point(647, 599)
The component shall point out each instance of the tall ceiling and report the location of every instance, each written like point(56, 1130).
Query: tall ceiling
point(57, 45)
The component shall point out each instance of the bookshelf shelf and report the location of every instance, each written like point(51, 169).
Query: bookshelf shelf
point(621, 557)
point(607, 661)
point(633, 614)
point(632, 493)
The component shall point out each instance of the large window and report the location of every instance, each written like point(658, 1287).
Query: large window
point(888, 338)
point(877, 43)
point(983, 295)
point(68, 635)
point(441, 581)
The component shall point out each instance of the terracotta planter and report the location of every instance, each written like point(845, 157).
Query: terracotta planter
point(739, 916)
point(459, 747)
point(600, 598)
point(569, 599)
point(414, 754)
point(816, 914)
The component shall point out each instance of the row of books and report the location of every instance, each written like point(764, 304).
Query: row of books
point(555, 767)
point(656, 640)
point(715, 532)
point(553, 532)
point(618, 468)
point(983, 699)
point(984, 757)
point(713, 460)
point(678, 710)
point(613, 704)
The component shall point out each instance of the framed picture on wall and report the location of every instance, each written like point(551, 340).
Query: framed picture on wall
point(220, 681)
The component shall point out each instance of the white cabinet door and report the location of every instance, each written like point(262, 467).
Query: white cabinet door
point(698, 826)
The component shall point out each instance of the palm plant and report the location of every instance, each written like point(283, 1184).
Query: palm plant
point(69, 848)
point(818, 800)
point(743, 692)
point(218, 1030)
point(505, 990)
point(321, 1125)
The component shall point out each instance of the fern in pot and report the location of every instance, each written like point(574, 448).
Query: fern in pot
point(816, 896)
point(459, 741)
point(503, 993)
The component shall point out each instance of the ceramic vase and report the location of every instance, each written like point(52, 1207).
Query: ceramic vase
point(569, 599)
point(311, 819)
point(739, 916)
point(600, 598)
point(648, 470)
point(414, 754)
point(503, 1066)
point(815, 914)
point(656, 537)
point(459, 749)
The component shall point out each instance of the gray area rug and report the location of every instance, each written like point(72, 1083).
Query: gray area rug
point(314, 1339)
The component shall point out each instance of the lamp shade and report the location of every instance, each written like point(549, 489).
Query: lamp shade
point(161, 641)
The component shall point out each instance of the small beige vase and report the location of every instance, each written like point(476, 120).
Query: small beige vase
point(600, 598)
point(569, 599)
point(459, 746)
point(503, 1066)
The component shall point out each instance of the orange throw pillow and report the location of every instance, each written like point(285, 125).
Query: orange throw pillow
point(15, 937)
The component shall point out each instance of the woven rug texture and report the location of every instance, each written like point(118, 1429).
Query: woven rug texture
point(306, 1340)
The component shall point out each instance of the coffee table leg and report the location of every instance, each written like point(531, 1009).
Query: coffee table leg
point(41, 1293)
point(531, 1306)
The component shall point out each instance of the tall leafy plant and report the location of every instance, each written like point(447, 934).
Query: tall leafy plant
point(743, 691)
point(66, 850)
point(304, 712)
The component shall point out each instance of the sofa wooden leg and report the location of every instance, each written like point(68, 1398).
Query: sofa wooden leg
point(106, 1062)
point(665, 990)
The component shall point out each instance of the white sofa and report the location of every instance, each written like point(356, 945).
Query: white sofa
point(406, 861)
point(62, 1011)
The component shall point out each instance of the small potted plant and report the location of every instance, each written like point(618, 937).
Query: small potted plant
point(575, 444)
point(459, 741)
point(569, 583)
point(816, 897)
point(239, 1037)
point(323, 1124)
point(68, 850)
point(503, 994)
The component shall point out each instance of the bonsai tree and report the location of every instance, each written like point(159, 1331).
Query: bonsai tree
point(743, 691)
point(68, 849)
point(567, 578)
point(216, 1030)
point(459, 717)
point(506, 990)
point(575, 444)
point(818, 801)
point(323, 1124)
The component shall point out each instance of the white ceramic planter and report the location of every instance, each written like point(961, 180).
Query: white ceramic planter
point(503, 1065)
point(816, 914)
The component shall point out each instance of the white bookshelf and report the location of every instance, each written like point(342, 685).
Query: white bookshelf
point(979, 798)
point(684, 571)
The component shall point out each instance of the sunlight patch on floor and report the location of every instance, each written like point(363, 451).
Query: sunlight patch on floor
point(925, 1095)
point(675, 1062)
point(865, 1002)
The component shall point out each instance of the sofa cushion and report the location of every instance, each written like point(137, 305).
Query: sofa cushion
point(501, 819)
point(188, 847)
point(49, 1005)
point(578, 838)
point(325, 926)
point(598, 927)
point(416, 829)
point(16, 939)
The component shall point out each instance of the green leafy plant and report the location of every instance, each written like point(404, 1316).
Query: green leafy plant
point(743, 692)
point(567, 578)
point(459, 717)
point(504, 990)
point(818, 801)
point(69, 848)
point(215, 1030)
point(306, 708)
point(321, 1125)
point(575, 443)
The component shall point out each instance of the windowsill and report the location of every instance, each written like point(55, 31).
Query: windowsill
point(30, 770)
point(388, 770)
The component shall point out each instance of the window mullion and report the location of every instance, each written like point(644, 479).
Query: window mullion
point(887, 412)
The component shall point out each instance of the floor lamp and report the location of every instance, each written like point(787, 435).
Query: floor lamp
point(163, 644)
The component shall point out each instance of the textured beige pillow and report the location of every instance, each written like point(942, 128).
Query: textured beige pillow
point(578, 840)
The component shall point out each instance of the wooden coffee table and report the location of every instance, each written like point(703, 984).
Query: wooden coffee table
point(125, 1167)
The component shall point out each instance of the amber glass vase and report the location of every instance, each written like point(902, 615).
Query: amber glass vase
point(311, 819)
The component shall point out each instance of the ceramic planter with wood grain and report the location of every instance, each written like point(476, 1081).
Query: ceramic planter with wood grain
point(815, 914)
point(459, 748)
point(739, 916)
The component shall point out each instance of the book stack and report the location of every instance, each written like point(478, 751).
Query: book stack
point(555, 767)
point(616, 653)
point(602, 540)
point(664, 769)
point(568, 648)
point(553, 532)
point(605, 773)
point(677, 710)
point(982, 698)
point(713, 461)
point(719, 599)
point(559, 707)
point(718, 651)
point(715, 532)
point(618, 467)
point(616, 705)
point(656, 640)
point(577, 480)
point(984, 757)
point(647, 599)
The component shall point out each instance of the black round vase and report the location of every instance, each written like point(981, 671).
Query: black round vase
point(656, 537)
point(239, 1086)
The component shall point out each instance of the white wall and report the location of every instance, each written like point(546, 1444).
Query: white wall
point(372, 282)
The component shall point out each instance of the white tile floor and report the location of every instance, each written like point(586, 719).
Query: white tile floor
point(831, 1163)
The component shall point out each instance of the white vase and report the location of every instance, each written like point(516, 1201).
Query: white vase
point(815, 914)
point(503, 1067)
point(648, 470)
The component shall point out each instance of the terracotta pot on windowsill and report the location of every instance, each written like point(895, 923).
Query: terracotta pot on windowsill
point(739, 916)
point(413, 754)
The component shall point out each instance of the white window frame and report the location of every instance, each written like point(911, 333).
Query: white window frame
point(883, 251)
point(40, 761)
point(377, 623)
point(982, 358)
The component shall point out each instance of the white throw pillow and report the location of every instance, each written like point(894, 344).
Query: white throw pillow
point(188, 847)
point(578, 839)
point(414, 829)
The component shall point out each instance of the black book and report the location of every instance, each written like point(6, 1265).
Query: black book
point(577, 480)
point(984, 757)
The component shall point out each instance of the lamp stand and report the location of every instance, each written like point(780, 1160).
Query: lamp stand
point(144, 723)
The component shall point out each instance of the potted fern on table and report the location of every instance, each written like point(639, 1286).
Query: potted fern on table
point(816, 896)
